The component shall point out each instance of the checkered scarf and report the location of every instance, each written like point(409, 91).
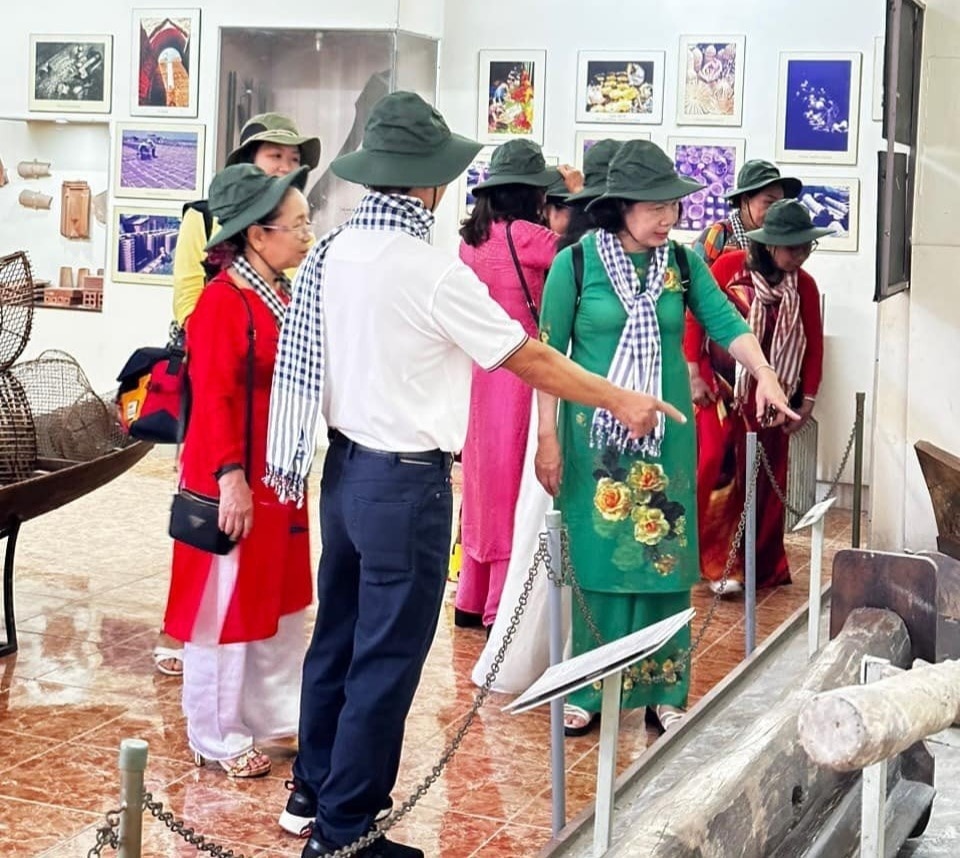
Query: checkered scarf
point(789, 342)
point(296, 398)
point(739, 232)
point(267, 294)
point(637, 362)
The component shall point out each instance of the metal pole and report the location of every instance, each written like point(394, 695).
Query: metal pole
point(607, 763)
point(133, 762)
point(874, 793)
point(858, 470)
point(558, 769)
point(750, 549)
point(816, 580)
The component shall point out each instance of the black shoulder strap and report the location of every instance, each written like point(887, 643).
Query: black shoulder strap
point(523, 280)
point(251, 365)
point(683, 263)
point(577, 251)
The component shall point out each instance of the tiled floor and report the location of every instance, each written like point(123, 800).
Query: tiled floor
point(90, 585)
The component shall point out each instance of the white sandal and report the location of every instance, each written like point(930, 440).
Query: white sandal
point(589, 720)
point(666, 716)
point(163, 654)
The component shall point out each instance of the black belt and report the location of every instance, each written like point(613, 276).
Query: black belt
point(419, 457)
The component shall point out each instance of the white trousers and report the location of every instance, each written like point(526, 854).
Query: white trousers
point(236, 694)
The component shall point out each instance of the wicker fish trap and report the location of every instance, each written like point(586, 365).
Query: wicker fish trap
point(71, 420)
point(18, 440)
point(16, 306)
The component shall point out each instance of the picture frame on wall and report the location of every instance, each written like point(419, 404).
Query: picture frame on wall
point(165, 62)
point(620, 86)
point(818, 108)
point(70, 73)
point(144, 239)
point(583, 140)
point(510, 95)
point(834, 202)
point(158, 161)
point(479, 171)
point(714, 162)
point(710, 86)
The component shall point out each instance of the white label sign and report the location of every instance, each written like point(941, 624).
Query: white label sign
point(814, 514)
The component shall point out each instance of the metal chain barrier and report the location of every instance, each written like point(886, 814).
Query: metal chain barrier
point(108, 834)
point(781, 492)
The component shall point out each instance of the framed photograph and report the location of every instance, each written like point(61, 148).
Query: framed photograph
point(144, 240)
point(620, 86)
point(714, 163)
point(585, 139)
point(167, 63)
point(878, 63)
point(818, 108)
point(510, 96)
point(710, 89)
point(158, 161)
point(70, 73)
point(835, 203)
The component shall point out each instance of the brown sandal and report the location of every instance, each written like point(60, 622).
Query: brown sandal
point(250, 764)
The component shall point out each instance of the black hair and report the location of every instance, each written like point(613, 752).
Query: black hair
point(501, 202)
point(222, 254)
point(580, 223)
point(760, 259)
point(610, 214)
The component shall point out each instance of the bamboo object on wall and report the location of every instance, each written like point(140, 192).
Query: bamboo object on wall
point(33, 169)
point(3, 174)
point(75, 210)
point(35, 200)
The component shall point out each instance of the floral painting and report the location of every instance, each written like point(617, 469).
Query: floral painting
point(639, 495)
point(713, 163)
point(711, 80)
point(510, 97)
point(618, 86)
point(819, 105)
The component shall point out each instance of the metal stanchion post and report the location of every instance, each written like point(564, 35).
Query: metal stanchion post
point(607, 763)
point(750, 549)
point(133, 762)
point(555, 603)
point(816, 579)
point(873, 810)
point(858, 471)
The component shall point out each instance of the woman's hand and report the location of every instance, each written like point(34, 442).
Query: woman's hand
point(701, 392)
point(572, 178)
point(236, 505)
point(548, 463)
point(772, 404)
point(805, 412)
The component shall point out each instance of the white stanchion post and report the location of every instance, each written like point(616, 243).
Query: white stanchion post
point(816, 581)
point(750, 551)
point(558, 772)
point(133, 763)
point(607, 763)
point(873, 809)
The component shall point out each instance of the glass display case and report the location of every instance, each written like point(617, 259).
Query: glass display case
point(327, 81)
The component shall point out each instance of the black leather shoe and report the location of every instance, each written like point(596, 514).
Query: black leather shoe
point(297, 817)
point(381, 848)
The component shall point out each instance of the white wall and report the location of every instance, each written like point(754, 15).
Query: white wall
point(137, 315)
point(918, 354)
point(846, 279)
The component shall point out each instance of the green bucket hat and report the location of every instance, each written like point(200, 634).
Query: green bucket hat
point(557, 192)
point(241, 194)
point(758, 174)
point(406, 144)
point(518, 162)
point(275, 128)
point(641, 172)
point(787, 224)
point(596, 162)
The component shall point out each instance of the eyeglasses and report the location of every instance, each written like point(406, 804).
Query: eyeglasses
point(802, 249)
point(303, 229)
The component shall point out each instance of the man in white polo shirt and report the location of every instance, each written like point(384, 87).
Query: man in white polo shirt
point(379, 338)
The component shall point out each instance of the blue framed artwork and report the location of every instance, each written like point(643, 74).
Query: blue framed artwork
point(714, 164)
point(818, 116)
point(834, 203)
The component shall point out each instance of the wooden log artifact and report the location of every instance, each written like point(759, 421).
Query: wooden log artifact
point(759, 788)
point(848, 729)
point(941, 471)
point(33, 169)
point(34, 200)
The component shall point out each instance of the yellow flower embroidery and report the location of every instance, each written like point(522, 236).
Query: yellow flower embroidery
point(665, 564)
point(544, 337)
point(650, 525)
point(669, 671)
point(612, 500)
point(672, 282)
point(648, 477)
point(581, 419)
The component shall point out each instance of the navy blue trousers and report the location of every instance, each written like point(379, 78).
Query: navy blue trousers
point(385, 524)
